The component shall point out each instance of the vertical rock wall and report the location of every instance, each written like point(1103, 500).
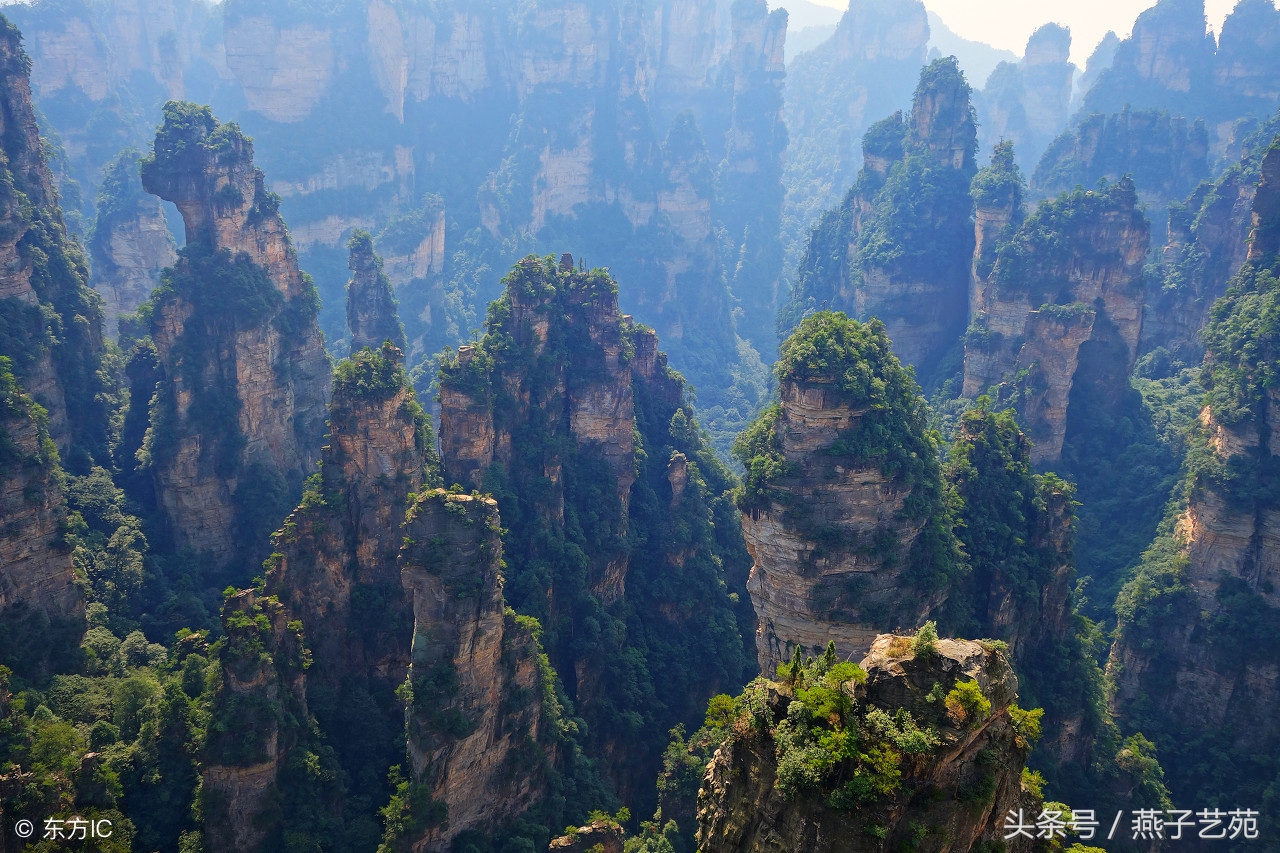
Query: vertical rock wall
point(245, 378)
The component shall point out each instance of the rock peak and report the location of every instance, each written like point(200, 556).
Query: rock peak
point(371, 301)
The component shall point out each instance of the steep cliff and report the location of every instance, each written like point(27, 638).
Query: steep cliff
point(371, 303)
point(259, 715)
point(51, 324)
point(130, 244)
point(621, 540)
point(750, 179)
point(922, 745)
point(1061, 306)
point(1171, 62)
point(898, 248)
point(239, 409)
point(1028, 102)
point(1198, 622)
point(843, 509)
point(1166, 156)
point(834, 94)
point(39, 598)
point(482, 720)
point(1208, 241)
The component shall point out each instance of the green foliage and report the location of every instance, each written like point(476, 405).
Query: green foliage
point(1000, 184)
point(369, 376)
point(923, 645)
point(828, 746)
point(966, 703)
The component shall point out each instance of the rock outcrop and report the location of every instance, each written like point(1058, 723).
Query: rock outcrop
point(898, 248)
point(383, 601)
point(477, 717)
point(1165, 155)
point(259, 715)
point(567, 413)
point(1199, 619)
point(848, 538)
point(957, 784)
point(1208, 241)
point(1067, 282)
point(1029, 101)
point(836, 91)
point(131, 243)
point(1172, 62)
point(53, 321)
point(37, 578)
point(371, 303)
point(240, 406)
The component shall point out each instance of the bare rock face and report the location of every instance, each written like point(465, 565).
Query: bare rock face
point(837, 535)
point(371, 303)
point(55, 320)
point(260, 708)
point(36, 572)
point(961, 788)
point(836, 91)
point(131, 243)
point(1166, 155)
point(1045, 303)
point(245, 378)
point(339, 546)
point(478, 689)
point(284, 69)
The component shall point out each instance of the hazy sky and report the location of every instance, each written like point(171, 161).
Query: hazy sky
point(1007, 23)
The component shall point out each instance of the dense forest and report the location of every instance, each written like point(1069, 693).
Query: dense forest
point(601, 427)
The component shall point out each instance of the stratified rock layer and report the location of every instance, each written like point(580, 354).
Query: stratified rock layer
point(1069, 280)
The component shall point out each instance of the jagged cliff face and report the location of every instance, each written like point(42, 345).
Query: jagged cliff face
point(1197, 621)
point(1171, 62)
point(244, 376)
point(836, 92)
point(567, 413)
point(1028, 102)
point(837, 532)
point(36, 573)
point(1044, 303)
point(596, 417)
point(892, 249)
point(54, 328)
point(473, 734)
point(973, 769)
point(371, 303)
point(360, 601)
point(806, 594)
point(131, 243)
point(1208, 241)
point(334, 551)
point(1166, 156)
point(260, 711)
